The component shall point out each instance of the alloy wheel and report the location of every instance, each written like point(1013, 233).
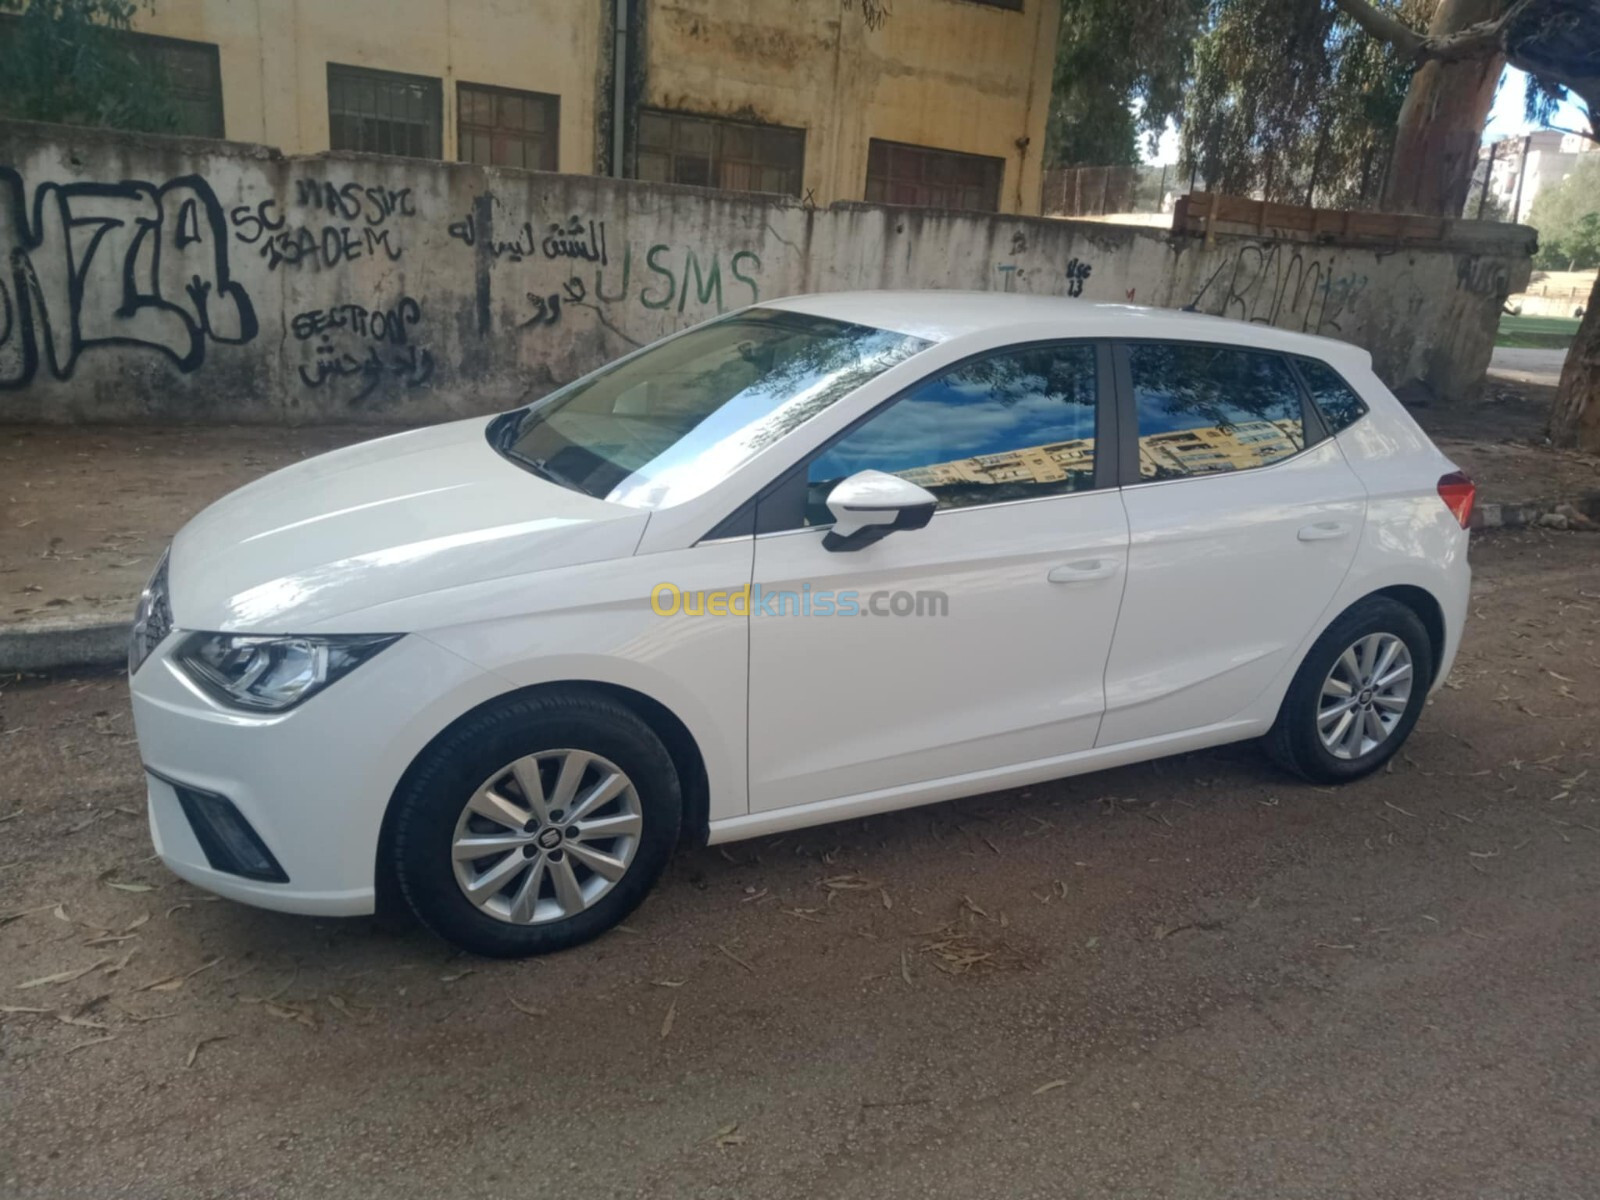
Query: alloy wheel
point(545, 837)
point(1364, 696)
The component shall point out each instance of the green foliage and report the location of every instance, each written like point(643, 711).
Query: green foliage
point(1567, 216)
point(71, 61)
point(1121, 70)
point(1291, 97)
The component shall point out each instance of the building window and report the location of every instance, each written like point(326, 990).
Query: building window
point(381, 112)
point(706, 152)
point(901, 174)
point(192, 75)
point(188, 73)
point(502, 127)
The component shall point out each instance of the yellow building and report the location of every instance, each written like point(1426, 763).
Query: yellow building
point(941, 104)
point(1179, 452)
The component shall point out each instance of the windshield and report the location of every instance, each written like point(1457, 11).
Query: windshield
point(666, 424)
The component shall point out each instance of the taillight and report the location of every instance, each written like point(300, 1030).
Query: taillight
point(1457, 491)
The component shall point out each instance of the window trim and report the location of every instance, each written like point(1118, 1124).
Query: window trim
point(434, 81)
point(891, 144)
point(551, 100)
point(715, 121)
point(1312, 424)
point(1328, 430)
point(747, 519)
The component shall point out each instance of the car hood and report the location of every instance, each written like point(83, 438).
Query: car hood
point(384, 520)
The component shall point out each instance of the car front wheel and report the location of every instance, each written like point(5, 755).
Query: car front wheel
point(1356, 696)
point(535, 824)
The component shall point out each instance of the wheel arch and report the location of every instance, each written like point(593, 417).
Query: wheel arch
point(687, 760)
point(1428, 610)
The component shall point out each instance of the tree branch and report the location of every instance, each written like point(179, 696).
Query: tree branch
point(1384, 27)
point(1475, 41)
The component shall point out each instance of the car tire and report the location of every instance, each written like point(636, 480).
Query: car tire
point(1312, 714)
point(483, 765)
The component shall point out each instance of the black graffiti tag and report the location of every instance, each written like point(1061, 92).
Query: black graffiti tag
point(114, 264)
point(1077, 272)
point(383, 351)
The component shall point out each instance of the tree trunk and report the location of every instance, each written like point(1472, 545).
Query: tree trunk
point(1441, 121)
point(1575, 418)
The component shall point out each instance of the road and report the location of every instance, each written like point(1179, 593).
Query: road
point(1193, 978)
point(1527, 366)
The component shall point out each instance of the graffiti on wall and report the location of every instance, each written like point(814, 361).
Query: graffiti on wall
point(369, 346)
point(1275, 284)
point(348, 221)
point(114, 264)
point(662, 278)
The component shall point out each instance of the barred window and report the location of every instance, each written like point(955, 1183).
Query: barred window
point(919, 175)
point(503, 127)
point(710, 152)
point(192, 76)
point(382, 112)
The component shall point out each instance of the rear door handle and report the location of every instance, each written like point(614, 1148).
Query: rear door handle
point(1324, 531)
point(1085, 571)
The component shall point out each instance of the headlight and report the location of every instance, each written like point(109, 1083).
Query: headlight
point(152, 620)
point(272, 674)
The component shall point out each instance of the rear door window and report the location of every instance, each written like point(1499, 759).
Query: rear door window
point(1204, 409)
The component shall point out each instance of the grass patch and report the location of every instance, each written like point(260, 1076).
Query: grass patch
point(1537, 333)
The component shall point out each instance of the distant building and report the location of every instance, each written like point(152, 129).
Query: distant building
point(1551, 157)
point(943, 106)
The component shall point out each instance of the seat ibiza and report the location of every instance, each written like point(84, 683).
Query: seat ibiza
point(812, 560)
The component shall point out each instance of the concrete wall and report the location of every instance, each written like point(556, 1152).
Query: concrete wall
point(172, 279)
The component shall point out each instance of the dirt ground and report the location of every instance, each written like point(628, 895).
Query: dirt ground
point(1499, 440)
point(1193, 978)
point(86, 510)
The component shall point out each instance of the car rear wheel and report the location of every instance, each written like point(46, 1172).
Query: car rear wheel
point(1356, 696)
point(536, 824)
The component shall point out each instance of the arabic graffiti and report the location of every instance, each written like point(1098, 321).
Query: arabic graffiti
point(1269, 284)
point(572, 240)
point(547, 309)
point(114, 264)
point(383, 348)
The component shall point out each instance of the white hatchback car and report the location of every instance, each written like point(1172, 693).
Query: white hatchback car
point(816, 559)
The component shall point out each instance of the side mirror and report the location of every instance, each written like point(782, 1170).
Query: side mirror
point(870, 505)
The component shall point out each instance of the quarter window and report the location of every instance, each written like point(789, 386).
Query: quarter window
point(1009, 427)
point(1208, 409)
point(1337, 400)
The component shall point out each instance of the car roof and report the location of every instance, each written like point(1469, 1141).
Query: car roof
point(940, 316)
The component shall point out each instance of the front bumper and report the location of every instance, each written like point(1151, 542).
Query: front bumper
point(313, 783)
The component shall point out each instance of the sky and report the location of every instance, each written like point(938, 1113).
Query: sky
point(1505, 119)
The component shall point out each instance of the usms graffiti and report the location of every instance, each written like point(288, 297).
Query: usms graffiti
point(114, 264)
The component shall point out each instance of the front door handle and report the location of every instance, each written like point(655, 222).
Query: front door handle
point(1087, 570)
point(1324, 531)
